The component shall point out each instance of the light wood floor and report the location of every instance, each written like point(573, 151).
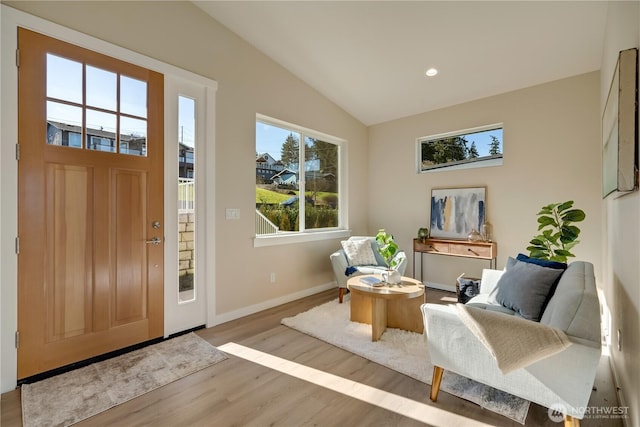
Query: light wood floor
point(237, 392)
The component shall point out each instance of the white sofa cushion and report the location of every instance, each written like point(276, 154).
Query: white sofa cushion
point(574, 307)
point(483, 301)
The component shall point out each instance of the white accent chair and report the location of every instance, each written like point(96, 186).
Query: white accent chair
point(340, 263)
point(563, 380)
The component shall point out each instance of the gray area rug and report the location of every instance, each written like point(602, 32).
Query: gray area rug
point(76, 395)
point(402, 351)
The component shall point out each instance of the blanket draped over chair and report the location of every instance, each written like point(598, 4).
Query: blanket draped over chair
point(514, 342)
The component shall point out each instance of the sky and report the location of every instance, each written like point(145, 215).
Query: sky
point(483, 139)
point(186, 120)
point(270, 139)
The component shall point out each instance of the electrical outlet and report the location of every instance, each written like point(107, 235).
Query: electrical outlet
point(272, 277)
point(619, 340)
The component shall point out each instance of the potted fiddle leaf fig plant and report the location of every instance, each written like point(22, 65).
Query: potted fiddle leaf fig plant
point(388, 249)
point(559, 235)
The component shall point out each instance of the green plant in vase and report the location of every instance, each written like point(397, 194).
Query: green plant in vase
point(559, 235)
point(388, 249)
point(423, 234)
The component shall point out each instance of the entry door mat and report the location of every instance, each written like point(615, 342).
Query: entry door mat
point(71, 397)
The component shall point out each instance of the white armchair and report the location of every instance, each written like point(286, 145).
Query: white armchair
point(344, 271)
point(562, 380)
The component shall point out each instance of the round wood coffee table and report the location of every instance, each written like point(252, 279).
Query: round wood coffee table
point(394, 306)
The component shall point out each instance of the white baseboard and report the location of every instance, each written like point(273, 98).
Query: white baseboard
point(619, 392)
point(246, 311)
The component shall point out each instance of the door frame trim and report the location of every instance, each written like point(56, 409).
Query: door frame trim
point(205, 213)
point(11, 19)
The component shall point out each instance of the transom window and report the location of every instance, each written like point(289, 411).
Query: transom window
point(297, 179)
point(471, 148)
point(105, 109)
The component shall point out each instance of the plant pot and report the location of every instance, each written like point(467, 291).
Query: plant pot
point(392, 277)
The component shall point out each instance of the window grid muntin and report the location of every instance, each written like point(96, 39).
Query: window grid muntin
point(84, 106)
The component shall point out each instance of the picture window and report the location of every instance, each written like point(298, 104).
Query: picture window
point(292, 161)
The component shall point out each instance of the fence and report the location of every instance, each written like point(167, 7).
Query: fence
point(264, 226)
point(186, 195)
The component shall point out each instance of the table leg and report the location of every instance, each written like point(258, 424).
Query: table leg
point(414, 263)
point(405, 314)
point(360, 308)
point(378, 318)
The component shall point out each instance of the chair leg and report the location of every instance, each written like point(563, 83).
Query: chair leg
point(436, 379)
point(340, 294)
point(569, 421)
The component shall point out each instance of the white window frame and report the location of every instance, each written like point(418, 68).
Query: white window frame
point(483, 163)
point(311, 235)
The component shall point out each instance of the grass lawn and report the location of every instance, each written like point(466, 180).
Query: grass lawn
point(267, 196)
point(273, 197)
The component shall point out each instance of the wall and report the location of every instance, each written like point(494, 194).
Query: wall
point(551, 154)
point(621, 231)
point(180, 34)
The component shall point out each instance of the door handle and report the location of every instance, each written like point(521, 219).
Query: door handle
point(155, 241)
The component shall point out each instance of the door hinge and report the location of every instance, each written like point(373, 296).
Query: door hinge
point(17, 339)
point(18, 58)
point(17, 151)
point(17, 245)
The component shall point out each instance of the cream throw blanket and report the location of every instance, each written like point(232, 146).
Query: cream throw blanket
point(514, 342)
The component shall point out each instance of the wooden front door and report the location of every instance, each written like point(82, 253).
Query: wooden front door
point(90, 204)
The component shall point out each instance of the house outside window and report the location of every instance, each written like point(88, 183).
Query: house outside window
point(101, 144)
point(297, 179)
point(185, 161)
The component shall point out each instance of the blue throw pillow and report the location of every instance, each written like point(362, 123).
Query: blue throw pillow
point(545, 263)
point(524, 288)
point(542, 262)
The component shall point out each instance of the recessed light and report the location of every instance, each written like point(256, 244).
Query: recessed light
point(431, 72)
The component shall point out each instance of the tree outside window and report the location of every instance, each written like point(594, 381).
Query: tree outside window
point(478, 147)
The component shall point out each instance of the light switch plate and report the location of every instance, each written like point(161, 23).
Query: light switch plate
point(232, 213)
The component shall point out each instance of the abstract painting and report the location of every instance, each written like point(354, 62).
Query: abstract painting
point(457, 211)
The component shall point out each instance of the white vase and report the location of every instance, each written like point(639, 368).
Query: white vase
point(392, 277)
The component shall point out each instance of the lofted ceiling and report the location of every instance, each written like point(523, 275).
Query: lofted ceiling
point(370, 58)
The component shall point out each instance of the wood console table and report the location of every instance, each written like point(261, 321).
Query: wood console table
point(461, 248)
